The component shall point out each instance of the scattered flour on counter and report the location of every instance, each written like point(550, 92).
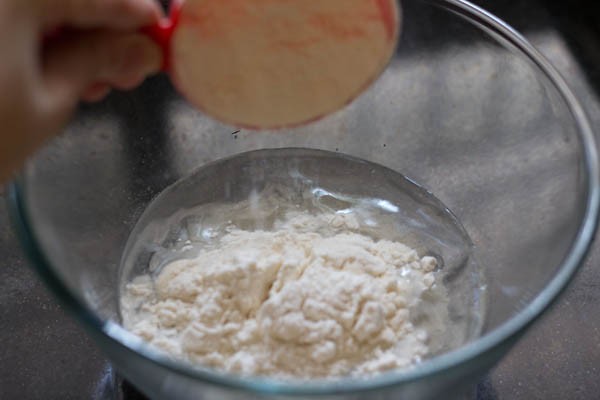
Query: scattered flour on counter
point(298, 301)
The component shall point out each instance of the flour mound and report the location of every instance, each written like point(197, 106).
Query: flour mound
point(292, 302)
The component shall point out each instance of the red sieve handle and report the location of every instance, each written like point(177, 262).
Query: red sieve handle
point(162, 32)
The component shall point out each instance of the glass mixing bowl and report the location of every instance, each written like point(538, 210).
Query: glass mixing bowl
point(467, 108)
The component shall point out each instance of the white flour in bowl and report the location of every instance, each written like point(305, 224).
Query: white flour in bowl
point(311, 297)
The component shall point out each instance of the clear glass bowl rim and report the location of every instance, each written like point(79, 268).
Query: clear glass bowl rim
point(502, 335)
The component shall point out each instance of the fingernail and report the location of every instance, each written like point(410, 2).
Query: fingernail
point(150, 7)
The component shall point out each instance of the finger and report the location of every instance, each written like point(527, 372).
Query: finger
point(115, 14)
point(96, 92)
point(74, 63)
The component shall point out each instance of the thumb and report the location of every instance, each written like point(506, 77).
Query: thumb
point(74, 62)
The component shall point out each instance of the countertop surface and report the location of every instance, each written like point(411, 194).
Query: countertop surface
point(47, 355)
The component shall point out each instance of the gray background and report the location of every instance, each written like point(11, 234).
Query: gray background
point(44, 354)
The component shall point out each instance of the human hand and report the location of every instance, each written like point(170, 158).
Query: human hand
point(54, 53)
